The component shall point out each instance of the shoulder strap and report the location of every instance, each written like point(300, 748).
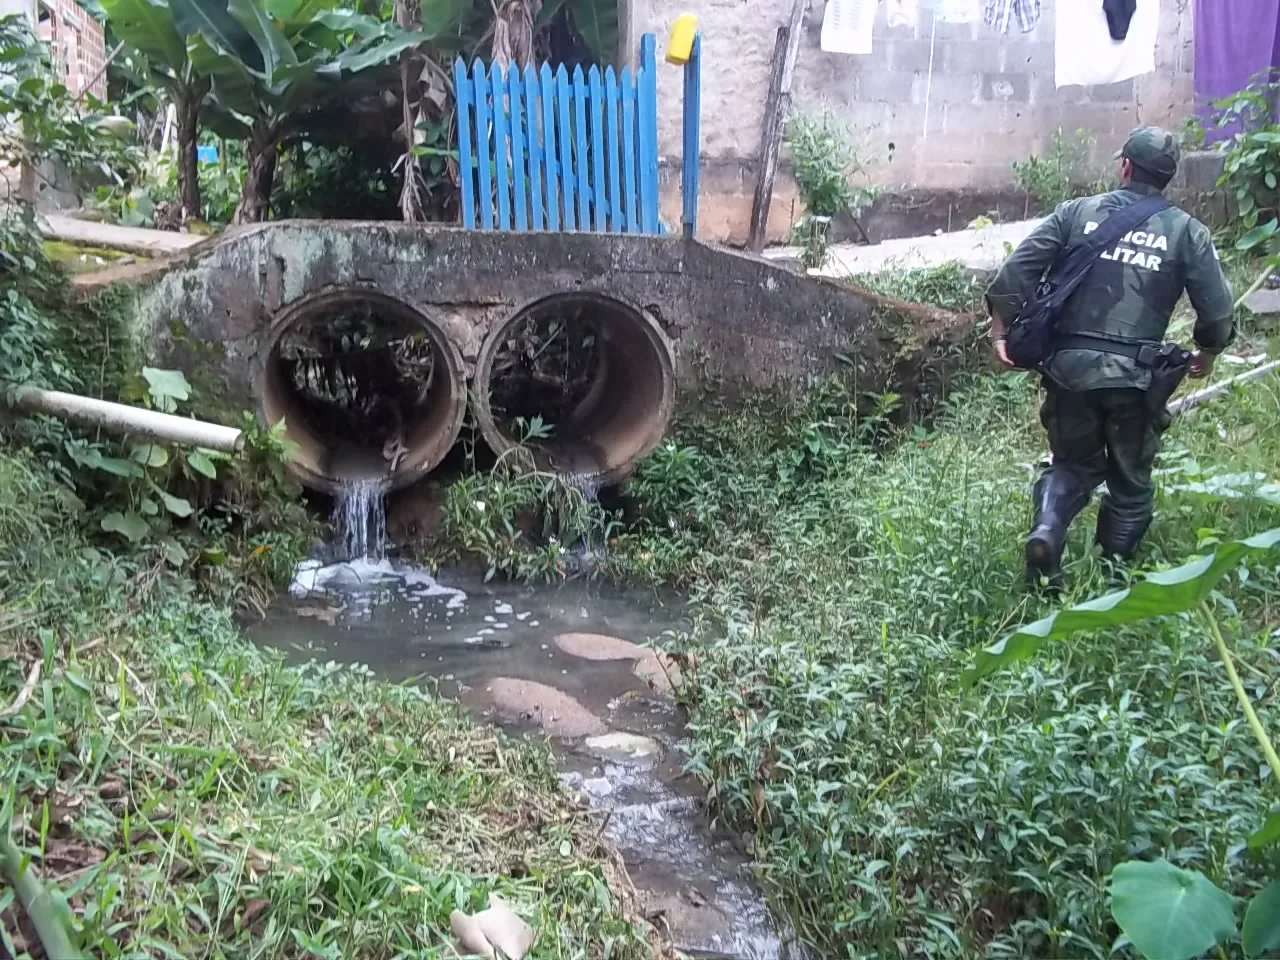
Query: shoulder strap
point(1074, 264)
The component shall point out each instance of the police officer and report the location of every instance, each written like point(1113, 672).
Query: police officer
point(1095, 407)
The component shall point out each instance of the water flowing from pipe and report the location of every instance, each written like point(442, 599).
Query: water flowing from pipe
point(360, 520)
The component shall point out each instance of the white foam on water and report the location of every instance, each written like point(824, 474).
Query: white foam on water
point(502, 609)
point(523, 616)
point(310, 577)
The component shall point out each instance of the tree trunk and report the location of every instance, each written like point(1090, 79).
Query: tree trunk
point(188, 171)
point(255, 197)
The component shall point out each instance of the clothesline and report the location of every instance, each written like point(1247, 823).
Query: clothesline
point(1095, 43)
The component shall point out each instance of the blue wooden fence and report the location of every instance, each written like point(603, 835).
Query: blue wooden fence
point(546, 150)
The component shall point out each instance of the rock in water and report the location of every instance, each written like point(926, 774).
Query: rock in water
point(557, 713)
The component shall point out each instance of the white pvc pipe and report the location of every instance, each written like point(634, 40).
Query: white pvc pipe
point(121, 418)
point(1192, 399)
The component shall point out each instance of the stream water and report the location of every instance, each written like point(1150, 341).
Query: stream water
point(559, 661)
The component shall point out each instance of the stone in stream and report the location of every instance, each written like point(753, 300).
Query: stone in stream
point(651, 666)
point(557, 713)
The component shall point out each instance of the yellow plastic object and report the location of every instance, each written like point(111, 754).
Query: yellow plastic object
point(680, 45)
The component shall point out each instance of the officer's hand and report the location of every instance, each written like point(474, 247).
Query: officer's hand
point(1001, 347)
point(1201, 365)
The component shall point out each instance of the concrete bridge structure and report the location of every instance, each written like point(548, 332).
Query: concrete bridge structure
point(671, 315)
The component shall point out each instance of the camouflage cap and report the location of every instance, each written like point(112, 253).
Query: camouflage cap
point(1154, 149)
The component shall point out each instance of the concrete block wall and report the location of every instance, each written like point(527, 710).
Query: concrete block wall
point(989, 99)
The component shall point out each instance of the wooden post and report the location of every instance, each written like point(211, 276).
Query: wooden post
point(777, 108)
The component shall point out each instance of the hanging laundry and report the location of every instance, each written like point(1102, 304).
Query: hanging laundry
point(1233, 43)
point(958, 11)
point(847, 26)
point(903, 13)
point(999, 14)
point(1119, 13)
point(1085, 54)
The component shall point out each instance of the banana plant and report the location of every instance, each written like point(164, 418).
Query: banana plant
point(149, 27)
point(1167, 912)
point(271, 62)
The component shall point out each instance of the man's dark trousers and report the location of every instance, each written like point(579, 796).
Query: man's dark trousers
point(1095, 436)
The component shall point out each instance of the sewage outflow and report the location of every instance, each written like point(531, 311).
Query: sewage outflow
point(556, 660)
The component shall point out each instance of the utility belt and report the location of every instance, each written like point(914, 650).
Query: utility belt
point(1167, 362)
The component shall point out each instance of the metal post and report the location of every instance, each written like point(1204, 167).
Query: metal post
point(692, 136)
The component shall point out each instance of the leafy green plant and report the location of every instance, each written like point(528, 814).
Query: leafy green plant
point(830, 175)
point(521, 521)
point(151, 27)
point(1168, 912)
point(1251, 163)
point(44, 122)
point(151, 728)
point(341, 182)
point(271, 65)
point(1060, 173)
point(950, 286)
point(837, 599)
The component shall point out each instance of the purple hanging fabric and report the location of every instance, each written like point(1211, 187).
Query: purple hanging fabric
point(1234, 40)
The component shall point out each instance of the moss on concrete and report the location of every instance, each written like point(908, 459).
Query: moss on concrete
point(76, 259)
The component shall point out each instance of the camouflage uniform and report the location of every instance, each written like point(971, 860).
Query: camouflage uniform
point(1095, 409)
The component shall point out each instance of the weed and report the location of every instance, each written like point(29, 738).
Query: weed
point(830, 174)
point(842, 589)
point(1251, 164)
point(1060, 173)
point(949, 286)
point(521, 521)
point(188, 794)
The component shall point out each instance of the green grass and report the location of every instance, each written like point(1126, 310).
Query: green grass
point(192, 796)
point(844, 588)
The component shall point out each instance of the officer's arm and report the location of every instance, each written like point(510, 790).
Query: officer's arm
point(1209, 293)
point(1025, 268)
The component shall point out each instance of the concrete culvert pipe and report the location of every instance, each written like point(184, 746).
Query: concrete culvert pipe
point(369, 388)
point(597, 372)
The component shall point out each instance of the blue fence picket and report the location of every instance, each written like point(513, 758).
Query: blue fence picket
point(484, 197)
point(582, 156)
point(613, 150)
point(520, 198)
point(552, 170)
point(692, 138)
point(647, 114)
point(599, 198)
point(536, 202)
point(465, 159)
point(501, 148)
point(630, 200)
point(564, 133)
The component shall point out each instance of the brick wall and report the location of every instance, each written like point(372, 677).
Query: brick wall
point(77, 44)
point(991, 99)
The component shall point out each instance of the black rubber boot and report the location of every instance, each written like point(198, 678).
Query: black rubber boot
point(1121, 529)
point(1059, 496)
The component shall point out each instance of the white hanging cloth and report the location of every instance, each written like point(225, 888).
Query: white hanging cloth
point(847, 26)
point(903, 13)
point(958, 11)
point(1085, 54)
